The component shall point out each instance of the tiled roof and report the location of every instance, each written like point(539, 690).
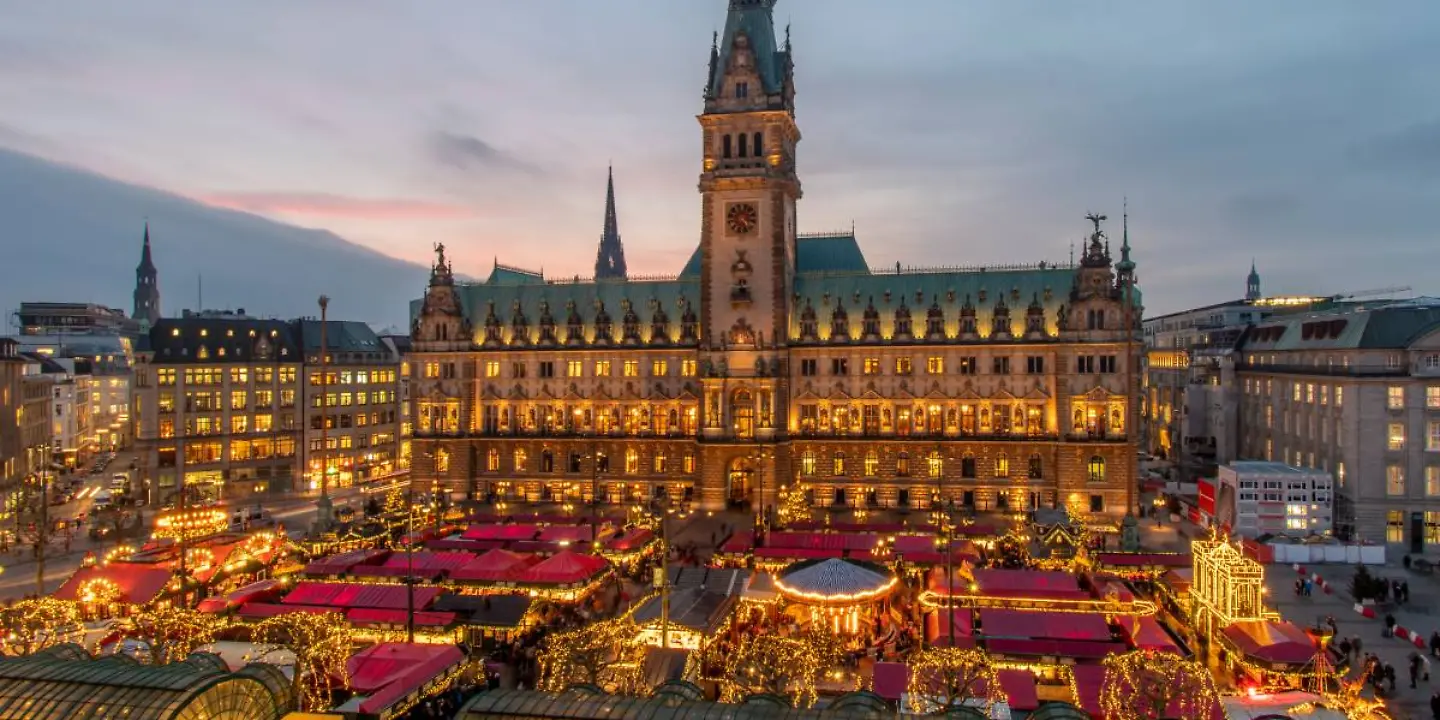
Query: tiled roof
point(1381, 326)
point(223, 339)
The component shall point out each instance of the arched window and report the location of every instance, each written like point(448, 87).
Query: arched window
point(902, 465)
point(807, 463)
point(442, 460)
point(725, 146)
point(492, 460)
point(743, 139)
point(632, 461)
point(1002, 466)
point(520, 458)
point(967, 466)
point(838, 464)
point(547, 461)
point(936, 463)
point(659, 461)
point(759, 145)
point(872, 463)
point(1095, 470)
point(1037, 468)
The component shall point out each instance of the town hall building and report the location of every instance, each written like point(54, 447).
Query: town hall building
point(776, 358)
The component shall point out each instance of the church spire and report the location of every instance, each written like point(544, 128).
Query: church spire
point(610, 261)
point(1252, 283)
point(748, 66)
point(147, 288)
point(1126, 266)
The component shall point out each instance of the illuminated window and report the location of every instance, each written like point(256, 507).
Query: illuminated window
point(165, 376)
point(239, 376)
point(1395, 436)
point(935, 365)
point(238, 399)
point(239, 425)
point(1432, 397)
point(688, 463)
point(432, 369)
point(1432, 481)
point(659, 462)
point(1339, 396)
point(575, 369)
point(520, 458)
point(1394, 480)
point(1340, 474)
point(632, 461)
point(902, 464)
point(659, 368)
point(935, 464)
point(1296, 524)
point(1095, 469)
point(1295, 391)
point(632, 368)
point(838, 464)
point(1395, 526)
point(872, 463)
point(872, 366)
point(264, 423)
point(492, 368)
point(807, 463)
point(1037, 467)
point(602, 368)
point(687, 368)
point(492, 460)
point(902, 366)
point(1002, 466)
point(1395, 397)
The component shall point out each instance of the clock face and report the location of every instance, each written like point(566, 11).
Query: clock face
point(741, 218)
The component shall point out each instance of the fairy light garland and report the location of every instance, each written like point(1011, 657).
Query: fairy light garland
point(190, 524)
point(1147, 684)
point(945, 678)
point(172, 633)
point(322, 643)
point(794, 504)
point(786, 666)
point(32, 625)
point(607, 654)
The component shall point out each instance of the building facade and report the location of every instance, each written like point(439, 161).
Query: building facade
point(235, 406)
point(1354, 392)
point(1271, 498)
point(776, 358)
point(12, 413)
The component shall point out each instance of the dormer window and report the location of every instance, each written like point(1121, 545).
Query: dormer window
point(742, 89)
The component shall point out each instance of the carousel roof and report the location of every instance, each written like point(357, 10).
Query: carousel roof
point(835, 580)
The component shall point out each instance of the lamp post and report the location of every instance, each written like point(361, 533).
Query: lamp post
point(324, 511)
point(662, 573)
point(595, 497)
point(44, 525)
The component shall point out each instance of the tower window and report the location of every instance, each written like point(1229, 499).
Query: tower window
point(743, 138)
point(759, 144)
point(742, 89)
point(725, 146)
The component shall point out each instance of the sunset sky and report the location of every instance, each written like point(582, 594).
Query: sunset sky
point(1303, 133)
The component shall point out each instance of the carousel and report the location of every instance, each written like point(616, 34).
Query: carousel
point(842, 595)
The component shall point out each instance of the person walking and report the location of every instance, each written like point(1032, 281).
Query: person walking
point(1414, 669)
point(1355, 642)
point(1389, 625)
point(1435, 644)
point(1390, 676)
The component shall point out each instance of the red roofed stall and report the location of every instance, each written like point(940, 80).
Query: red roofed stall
point(254, 592)
point(1275, 646)
point(343, 596)
point(494, 566)
point(135, 584)
point(390, 678)
point(1049, 584)
point(418, 564)
point(564, 568)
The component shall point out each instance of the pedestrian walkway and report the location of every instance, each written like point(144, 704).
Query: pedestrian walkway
point(1405, 703)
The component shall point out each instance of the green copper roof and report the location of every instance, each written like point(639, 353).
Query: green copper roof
point(503, 275)
point(829, 253)
point(814, 254)
point(645, 298)
point(755, 19)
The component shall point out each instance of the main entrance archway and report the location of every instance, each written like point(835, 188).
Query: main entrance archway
point(740, 484)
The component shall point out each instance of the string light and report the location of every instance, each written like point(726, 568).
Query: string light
point(1147, 684)
point(794, 504)
point(943, 679)
point(786, 666)
point(321, 643)
point(173, 633)
point(608, 654)
point(33, 625)
point(182, 525)
point(98, 591)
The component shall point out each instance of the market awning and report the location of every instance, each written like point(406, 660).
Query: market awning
point(1043, 625)
point(494, 566)
point(632, 540)
point(1052, 584)
point(381, 616)
point(135, 584)
point(937, 627)
point(565, 533)
point(1147, 634)
point(341, 563)
point(418, 564)
point(250, 593)
point(1089, 679)
point(498, 611)
point(384, 675)
point(500, 532)
point(350, 595)
point(564, 568)
point(1271, 642)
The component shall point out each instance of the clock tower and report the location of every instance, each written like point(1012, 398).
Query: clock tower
point(748, 190)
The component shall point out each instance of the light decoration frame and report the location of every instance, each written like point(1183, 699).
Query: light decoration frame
point(1112, 607)
point(190, 524)
point(1146, 684)
point(172, 633)
point(1226, 587)
point(322, 643)
point(116, 553)
point(788, 666)
point(793, 505)
point(99, 592)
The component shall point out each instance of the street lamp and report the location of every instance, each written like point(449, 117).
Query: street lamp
point(595, 456)
point(662, 573)
point(324, 512)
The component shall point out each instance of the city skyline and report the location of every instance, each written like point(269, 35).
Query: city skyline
point(982, 134)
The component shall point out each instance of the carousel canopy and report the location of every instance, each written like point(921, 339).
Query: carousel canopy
point(835, 581)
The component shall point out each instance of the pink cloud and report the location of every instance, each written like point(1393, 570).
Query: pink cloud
point(338, 206)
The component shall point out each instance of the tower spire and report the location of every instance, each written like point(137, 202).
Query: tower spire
point(610, 260)
point(147, 289)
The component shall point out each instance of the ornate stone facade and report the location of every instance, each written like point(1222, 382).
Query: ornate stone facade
point(776, 358)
